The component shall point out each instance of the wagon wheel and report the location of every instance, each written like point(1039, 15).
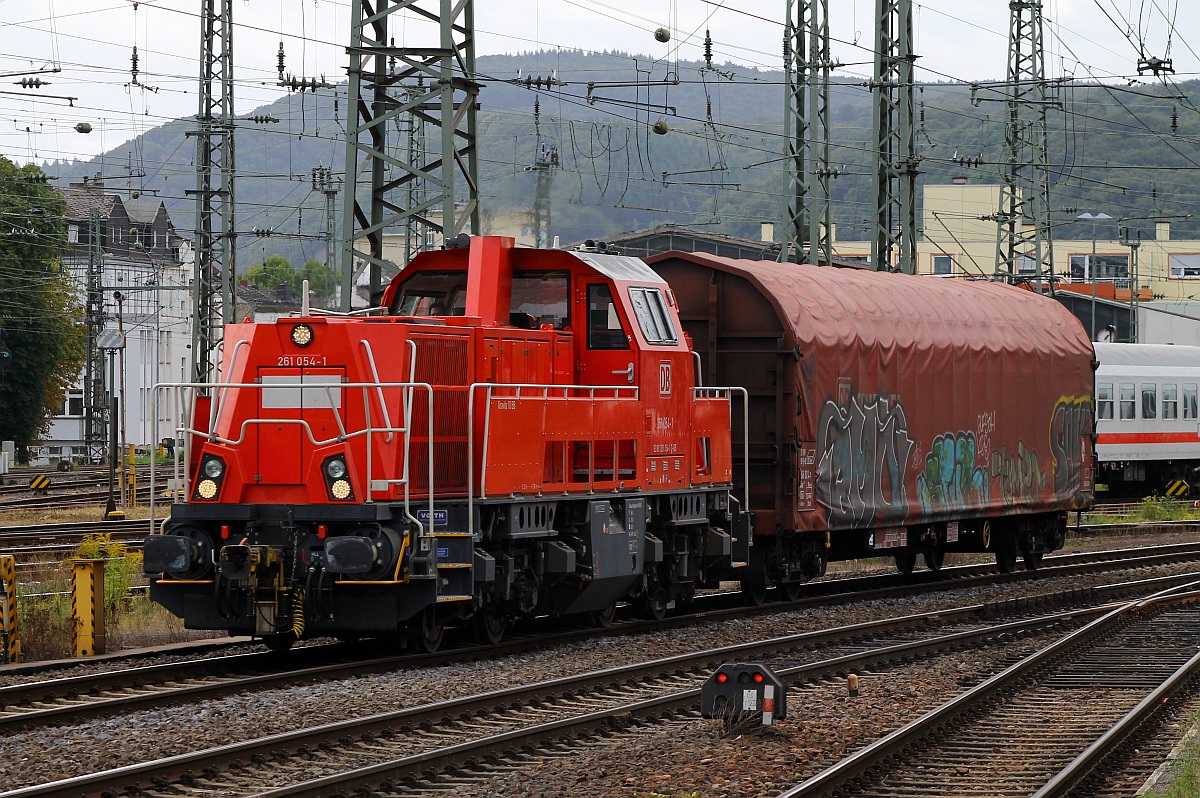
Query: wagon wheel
point(425, 632)
point(790, 591)
point(906, 561)
point(654, 605)
point(1032, 560)
point(1006, 559)
point(933, 559)
point(606, 617)
point(490, 623)
point(279, 642)
point(754, 592)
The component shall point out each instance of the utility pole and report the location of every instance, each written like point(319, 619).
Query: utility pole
point(95, 408)
point(545, 164)
point(808, 220)
point(1025, 194)
point(215, 273)
point(895, 230)
point(378, 73)
point(324, 182)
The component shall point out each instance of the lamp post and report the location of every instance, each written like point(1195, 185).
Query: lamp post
point(1093, 218)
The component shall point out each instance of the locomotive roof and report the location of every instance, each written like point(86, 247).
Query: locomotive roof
point(1157, 355)
point(620, 267)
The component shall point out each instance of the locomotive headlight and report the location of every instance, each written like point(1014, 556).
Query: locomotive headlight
point(340, 489)
point(214, 468)
point(302, 335)
point(337, 481)
point(207, 489)
point(336, 469)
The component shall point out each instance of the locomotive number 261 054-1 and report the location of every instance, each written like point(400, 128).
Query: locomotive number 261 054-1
point(301, 360)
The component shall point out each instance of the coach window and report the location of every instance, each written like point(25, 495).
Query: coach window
point(1104, 400)
point(652, 316)
point(1170, 405)
point(1189, 400)
point(1128, 401)
point(1149, 400)
point(604, 323)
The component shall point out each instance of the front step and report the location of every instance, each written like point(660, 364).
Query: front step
point(455, 563)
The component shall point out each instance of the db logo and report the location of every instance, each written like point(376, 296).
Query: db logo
point(664, 378)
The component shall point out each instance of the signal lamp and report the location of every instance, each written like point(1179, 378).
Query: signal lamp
point(722, 678)
point(340, 489)
point(214, 468)
point(336, 468)
point(758, 677)
point(302, 335)
point(207, 489)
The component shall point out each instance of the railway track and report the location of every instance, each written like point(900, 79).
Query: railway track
point(1044, 726)
point(375, 751)
point(73, 699)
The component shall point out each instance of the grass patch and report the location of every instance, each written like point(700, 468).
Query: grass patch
point(131, 619)
point(1152, 509)
point(1185, 775)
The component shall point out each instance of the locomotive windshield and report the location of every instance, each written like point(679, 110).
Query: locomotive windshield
point(537, 297)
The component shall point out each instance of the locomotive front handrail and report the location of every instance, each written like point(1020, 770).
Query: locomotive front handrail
point(387, 420)
point(185, 394)
point(711, 392)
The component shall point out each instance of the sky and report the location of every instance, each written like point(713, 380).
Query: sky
point(91, 42)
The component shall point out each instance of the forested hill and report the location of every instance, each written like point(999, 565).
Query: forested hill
point(1112, 150)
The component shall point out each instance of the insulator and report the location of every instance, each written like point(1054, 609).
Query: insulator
point(707, 49)
point(1174, 119)
point(133, 61)
point(662, 35)
point(33, 83)
point(661, 127)
point(83, 127)
point(708, 108)
point(280, 58)
point(922, 114)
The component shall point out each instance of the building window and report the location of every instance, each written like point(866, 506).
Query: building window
point(1104, 401)
point(116, 235)
point(72, 234)
point(1108, 268)
point(1184, 267)
point(1170, 404)
point(1149, 400)
point(1128, 401)
point(943, 264)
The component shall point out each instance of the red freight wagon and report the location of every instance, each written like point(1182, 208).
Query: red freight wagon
point(894, 414)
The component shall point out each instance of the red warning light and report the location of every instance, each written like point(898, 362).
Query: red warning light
point(722, 678)
point(322, 530)
point(758, 677)
point(224, 531)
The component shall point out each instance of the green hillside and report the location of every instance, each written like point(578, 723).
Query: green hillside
point(1111, 150)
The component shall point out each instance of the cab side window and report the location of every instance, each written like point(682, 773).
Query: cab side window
point(652, 315)
point(604, 329)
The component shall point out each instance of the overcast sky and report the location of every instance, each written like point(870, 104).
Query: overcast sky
point(92, 41)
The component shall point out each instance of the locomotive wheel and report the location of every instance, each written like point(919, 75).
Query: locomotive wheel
point(906, 562)
point(1032, 560)
point(490, 625)
point(933, 559)
point(280, 642)
point(1006, 560)
point(425, 633)
point(606, 617)
point(754, 592)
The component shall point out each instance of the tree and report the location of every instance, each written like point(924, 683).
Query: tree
point(41, 312)
point(273, 272)
point(321, 278)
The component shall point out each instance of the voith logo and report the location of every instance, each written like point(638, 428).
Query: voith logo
point(664, 378)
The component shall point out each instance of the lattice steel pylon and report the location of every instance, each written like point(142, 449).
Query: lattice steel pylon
point(95, 403)
point(806, 65)
point(894, 238)
point(1025, 194)
point(215, 269)
point(382, 89)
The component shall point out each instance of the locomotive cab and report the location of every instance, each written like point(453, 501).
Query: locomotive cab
point(520, 435)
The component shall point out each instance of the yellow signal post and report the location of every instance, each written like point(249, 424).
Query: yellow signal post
point(131, 479)
point(87, 606)
point(10, 640)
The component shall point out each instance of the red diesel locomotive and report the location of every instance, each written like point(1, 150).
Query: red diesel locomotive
point(521, 432)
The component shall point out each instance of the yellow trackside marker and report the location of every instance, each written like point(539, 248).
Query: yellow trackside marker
point(87, 606)
point(39, 484)
point(1177, 488)
point(10, 640)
